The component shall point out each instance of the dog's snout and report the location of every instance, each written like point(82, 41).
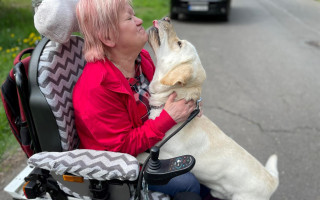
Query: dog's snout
point(167, 19)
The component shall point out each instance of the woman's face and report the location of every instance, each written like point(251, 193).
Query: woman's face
point(131, 33)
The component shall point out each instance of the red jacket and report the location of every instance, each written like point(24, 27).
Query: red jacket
point(106, 114)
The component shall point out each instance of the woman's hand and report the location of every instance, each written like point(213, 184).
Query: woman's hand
point(179, 110)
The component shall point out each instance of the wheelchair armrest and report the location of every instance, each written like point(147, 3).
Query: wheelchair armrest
point(90, 164)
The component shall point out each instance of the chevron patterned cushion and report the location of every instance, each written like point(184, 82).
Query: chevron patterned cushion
point(59, 68)
point(151, 195)
point(90, 164)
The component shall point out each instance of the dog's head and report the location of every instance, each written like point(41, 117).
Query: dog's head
point(177, 61)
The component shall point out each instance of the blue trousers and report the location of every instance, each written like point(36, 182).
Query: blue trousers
point(184, 183)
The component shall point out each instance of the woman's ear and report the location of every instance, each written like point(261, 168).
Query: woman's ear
point(108, 41)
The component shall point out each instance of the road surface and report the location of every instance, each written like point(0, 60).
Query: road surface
point(263, 85)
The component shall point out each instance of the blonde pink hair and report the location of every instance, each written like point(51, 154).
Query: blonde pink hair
point(98, 20)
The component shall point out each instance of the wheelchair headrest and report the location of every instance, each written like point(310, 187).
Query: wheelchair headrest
point(56, 19)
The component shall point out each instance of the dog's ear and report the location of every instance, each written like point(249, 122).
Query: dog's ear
point(178, 75)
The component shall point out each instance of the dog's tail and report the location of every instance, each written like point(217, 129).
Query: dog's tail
point(271, 166)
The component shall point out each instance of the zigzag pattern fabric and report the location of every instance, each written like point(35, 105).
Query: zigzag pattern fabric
point(153, 196)
point(59, 68)
point(90, 164)
point(157, 196)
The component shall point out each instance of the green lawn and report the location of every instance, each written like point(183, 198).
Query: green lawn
point(17, 32)
point(16, 24)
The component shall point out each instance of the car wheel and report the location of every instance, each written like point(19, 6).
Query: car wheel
point(173, 15)
point(224, 17)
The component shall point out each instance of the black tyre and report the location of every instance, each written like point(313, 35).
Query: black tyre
point(174, 15)
point(224, 17)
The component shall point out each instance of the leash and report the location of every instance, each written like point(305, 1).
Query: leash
point(191, 116)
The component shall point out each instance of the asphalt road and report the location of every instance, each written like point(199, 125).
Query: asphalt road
point(263, 85)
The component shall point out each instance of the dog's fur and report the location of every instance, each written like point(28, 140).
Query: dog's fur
point(221, 164)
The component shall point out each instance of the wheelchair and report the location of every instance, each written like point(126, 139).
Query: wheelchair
point(58, 170)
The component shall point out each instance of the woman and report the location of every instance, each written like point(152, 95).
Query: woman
point(111, 97)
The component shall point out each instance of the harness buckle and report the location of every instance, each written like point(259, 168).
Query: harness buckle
point(198, 103)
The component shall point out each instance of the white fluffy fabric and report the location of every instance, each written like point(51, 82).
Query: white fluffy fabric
point(56, 19)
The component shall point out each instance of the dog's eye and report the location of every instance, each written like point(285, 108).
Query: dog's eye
point(179, 43)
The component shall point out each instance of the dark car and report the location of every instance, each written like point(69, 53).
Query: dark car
point(219, 8)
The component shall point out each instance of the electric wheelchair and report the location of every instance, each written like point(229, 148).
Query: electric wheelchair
point(58, 170)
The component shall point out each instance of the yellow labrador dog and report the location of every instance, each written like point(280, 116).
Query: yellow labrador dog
point(221, 164)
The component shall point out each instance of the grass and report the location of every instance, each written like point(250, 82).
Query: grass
point(16, 22)
point(150, 10)
point(17, 32)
